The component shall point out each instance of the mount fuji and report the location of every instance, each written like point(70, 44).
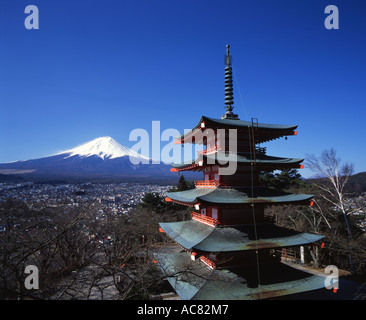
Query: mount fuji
point(102, 159)
point(104, 148)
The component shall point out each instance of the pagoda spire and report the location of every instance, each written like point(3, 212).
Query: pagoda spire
point(229, 99)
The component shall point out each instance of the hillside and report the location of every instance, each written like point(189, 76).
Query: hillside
point(357, 183)
point(10, 177)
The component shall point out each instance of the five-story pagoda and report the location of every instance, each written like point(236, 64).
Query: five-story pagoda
point(229, 249)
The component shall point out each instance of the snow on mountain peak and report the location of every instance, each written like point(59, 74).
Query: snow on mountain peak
point(103, 147)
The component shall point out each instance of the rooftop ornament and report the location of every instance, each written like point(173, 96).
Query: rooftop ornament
point(229, 99)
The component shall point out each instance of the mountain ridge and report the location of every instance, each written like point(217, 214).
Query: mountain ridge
point(99, 159)
point(103, 147)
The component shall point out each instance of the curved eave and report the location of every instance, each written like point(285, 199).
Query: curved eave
point(267, 131)
point(234, 283)
point(222, 158)
point(229, 196)
point(193, 236)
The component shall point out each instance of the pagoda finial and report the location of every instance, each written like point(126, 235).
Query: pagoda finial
point(228, 56)
point(229, 99)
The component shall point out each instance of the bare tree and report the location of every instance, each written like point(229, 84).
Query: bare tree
point(335, 177)
point(329, 166)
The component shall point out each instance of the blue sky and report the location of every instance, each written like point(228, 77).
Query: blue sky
point(103, 68)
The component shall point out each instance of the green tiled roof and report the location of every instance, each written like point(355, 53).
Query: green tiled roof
point(273, 130)
point(241, 123)
point(237, 196)
point(260, 159)
point(192, 280)
point(194, 235)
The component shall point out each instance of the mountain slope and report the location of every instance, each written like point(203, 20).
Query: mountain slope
point(357, 183)
point(103, 147)
point(100, 159)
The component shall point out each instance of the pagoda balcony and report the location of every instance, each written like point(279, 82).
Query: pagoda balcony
point(208, 262)
point(212, 222)
point(207, 184)
point(210, 150)
point(205, 219)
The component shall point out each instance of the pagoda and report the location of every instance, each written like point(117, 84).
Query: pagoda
point(229, 249)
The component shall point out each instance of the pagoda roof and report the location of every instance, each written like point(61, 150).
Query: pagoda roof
point(196, 281)
point(194, 235)
point(267, 131)
point(243, 158)
point(237, 195)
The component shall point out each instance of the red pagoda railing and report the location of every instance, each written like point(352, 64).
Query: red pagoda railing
point(204, 219)
point(210, 150)
point(208, 262)
point(212, 222)
point(207, 183)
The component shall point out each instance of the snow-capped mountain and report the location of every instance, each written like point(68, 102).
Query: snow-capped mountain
point(100, 159)
point(103, 147)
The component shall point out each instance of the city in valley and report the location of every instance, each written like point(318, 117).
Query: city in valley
point(118, 198)
point(84, 240)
